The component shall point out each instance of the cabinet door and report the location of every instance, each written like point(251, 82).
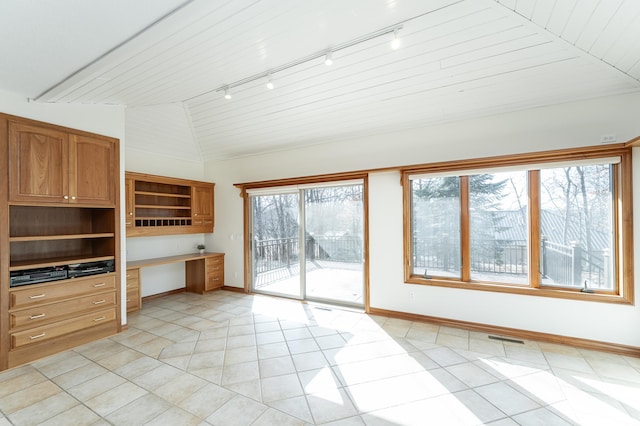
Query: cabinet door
point(202, 202)
point(129, 203)
point(202, 208)
point(39, 167)
point(92, 166)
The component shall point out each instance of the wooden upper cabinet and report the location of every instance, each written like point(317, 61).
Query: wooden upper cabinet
point(202, 202)
point(92, 165)
point(54, 166)
point(202, 207)
point(162, 205)
point(39, 170)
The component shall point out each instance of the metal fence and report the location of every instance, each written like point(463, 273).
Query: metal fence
point(560, 264)
point(573, 266)
point(279, 258)
point(489, 256)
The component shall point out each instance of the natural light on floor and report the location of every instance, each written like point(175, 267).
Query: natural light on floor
point(228, 358)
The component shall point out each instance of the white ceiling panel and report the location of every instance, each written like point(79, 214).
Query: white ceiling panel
point(458, 59)
point(44, 42)
point(162, 129)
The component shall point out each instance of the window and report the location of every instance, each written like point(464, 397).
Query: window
point(548, 224)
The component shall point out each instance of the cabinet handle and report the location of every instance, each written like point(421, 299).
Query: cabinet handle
point(73, 197)
point(130, 213)
point(37, 336)
point(196, 214)
point(37, 296)
point(37, 316)
point(99, 302)
point(99, 319)
point(66, 197)
point(99, 285)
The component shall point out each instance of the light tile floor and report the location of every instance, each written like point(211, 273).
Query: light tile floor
point(232, 359)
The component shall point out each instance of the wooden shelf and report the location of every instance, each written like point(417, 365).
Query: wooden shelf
point(161, 194)
point(163, 218)
point(61, 237)
point(55, 261)
point(161, 207)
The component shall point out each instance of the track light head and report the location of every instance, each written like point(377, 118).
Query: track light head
point(227, 94)
point(270, 85)
point(328, 60)
point(395, 42)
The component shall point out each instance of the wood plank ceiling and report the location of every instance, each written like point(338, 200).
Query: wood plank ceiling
point(458, 59)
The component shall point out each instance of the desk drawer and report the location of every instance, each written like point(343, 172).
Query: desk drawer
point(41, 314)
point(215, 280)
point(133, 300)
point(215, 262)
point(60, 328)
point(50, 292)
point(133, 278)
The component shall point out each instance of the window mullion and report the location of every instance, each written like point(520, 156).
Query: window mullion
point(534, 229)
point(465, 230)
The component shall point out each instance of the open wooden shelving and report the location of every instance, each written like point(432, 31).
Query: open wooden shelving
point(159, 205)
point(59, 205)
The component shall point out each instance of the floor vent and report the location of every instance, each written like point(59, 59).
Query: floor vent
point(506, 339)
point(322, 308)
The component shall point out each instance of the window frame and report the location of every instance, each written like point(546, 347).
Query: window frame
point(622, 222)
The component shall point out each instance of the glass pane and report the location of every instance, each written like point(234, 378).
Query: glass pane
point(577, 229)
point(276, 261)
point(334, 250)
point(435, 213)
point(498, 227)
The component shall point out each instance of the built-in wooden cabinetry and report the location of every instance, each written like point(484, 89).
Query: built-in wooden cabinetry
point(58, 209)
point(159, 205)
point(134, 299)
point(52, 165)
point(205, 274)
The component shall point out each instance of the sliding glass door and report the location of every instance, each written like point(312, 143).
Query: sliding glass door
point(328, 265)
point(275, 244)
point(334, 236)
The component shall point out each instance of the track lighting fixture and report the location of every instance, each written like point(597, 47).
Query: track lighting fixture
point(395, 42)
point(328, 60)
point(327, 54)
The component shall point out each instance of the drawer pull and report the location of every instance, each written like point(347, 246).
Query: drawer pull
point(99, 285)
point(37, 316)
point(37, 336)
point(99, 319)
point(99, 302)
point(37, 296)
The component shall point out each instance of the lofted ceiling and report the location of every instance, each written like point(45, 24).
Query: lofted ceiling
point(169, 62)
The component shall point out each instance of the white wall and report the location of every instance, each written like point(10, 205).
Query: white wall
point(563, 126)
point(159, 279)
point(101, 119)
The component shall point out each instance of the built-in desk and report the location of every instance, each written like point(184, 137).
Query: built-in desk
point(204, 272)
